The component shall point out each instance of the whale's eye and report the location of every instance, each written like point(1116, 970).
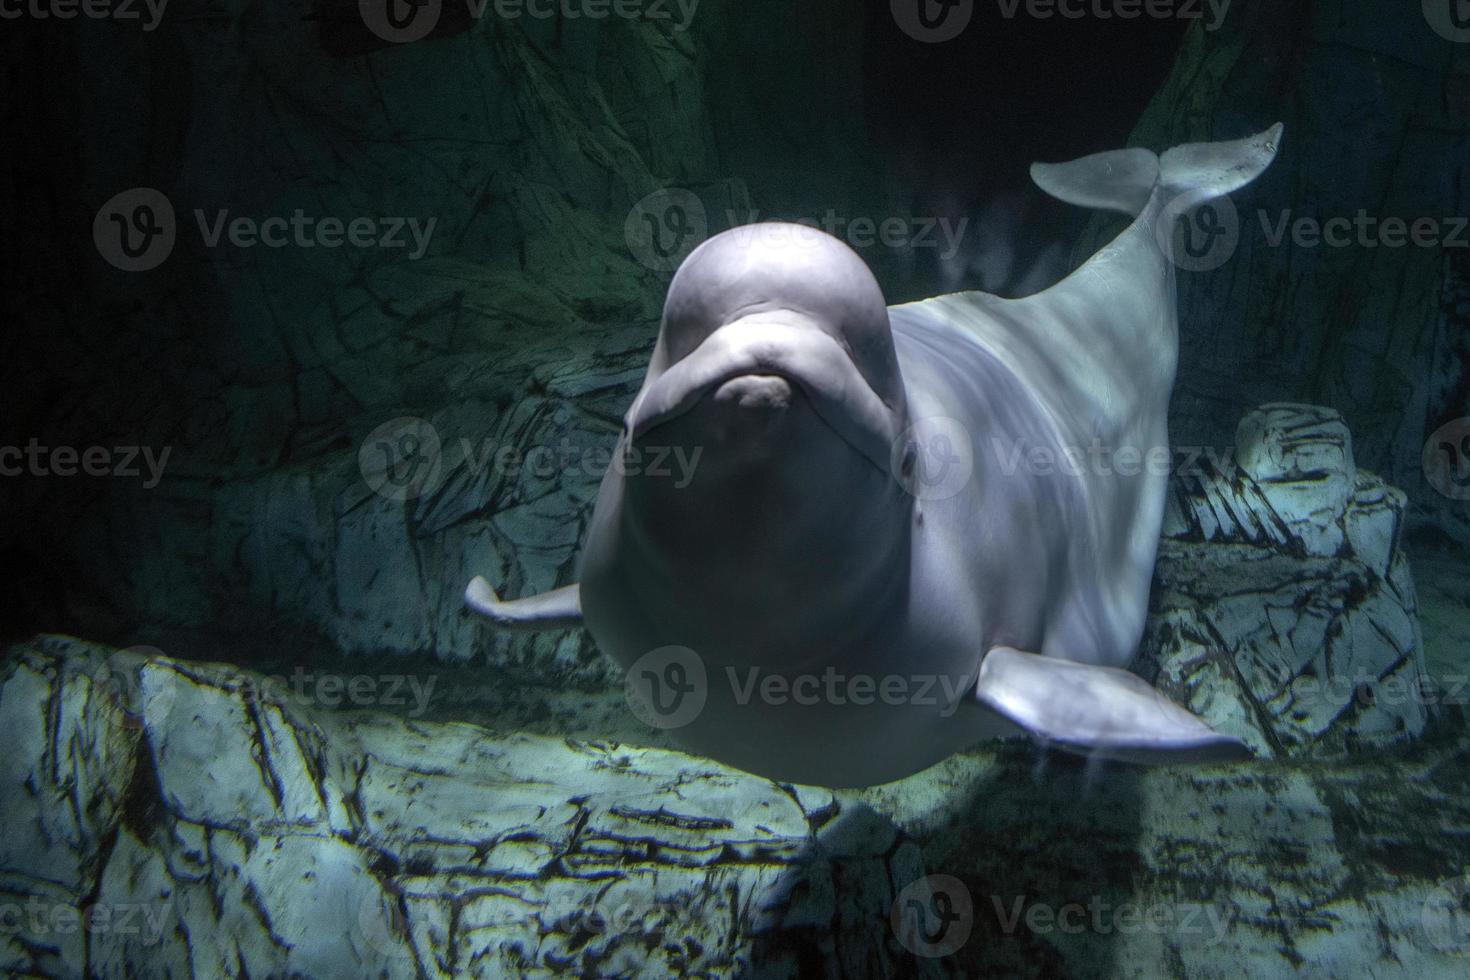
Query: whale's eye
point(910, 460)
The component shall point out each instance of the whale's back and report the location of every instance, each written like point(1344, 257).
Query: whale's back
point(1095, 356)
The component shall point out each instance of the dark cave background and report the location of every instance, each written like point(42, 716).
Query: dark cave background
point(530, 317)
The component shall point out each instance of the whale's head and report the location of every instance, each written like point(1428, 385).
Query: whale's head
point(775, 378)
point(764, 314)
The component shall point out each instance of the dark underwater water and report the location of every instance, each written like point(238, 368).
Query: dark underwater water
point(314, 312)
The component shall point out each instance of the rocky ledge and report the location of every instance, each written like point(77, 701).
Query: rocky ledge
point(177, 819)
point(1283, 610)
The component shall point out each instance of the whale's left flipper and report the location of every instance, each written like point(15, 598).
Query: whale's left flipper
point(1101, 712)
point(559, 609)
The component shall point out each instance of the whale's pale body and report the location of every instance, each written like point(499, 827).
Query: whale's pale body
point(911, 527)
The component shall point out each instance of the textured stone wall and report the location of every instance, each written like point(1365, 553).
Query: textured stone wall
point(1376, 105)
point(525, 320)
point(268, 373)
point(202, 826)
point(185, 818)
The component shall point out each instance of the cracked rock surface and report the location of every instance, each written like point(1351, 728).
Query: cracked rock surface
point(1377, 332)
point(226, 833)
point(1283, 610)
point(205, 828)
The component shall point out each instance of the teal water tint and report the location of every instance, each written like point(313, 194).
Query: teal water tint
point(372, 287)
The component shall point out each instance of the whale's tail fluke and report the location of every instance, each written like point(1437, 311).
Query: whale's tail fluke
point(1125, 180)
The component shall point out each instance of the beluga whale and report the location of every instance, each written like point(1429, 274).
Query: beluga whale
point(910, 528)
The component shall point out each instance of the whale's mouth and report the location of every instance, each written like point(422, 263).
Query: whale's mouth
point(756, 365)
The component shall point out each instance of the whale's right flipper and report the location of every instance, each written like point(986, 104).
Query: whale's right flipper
point(558, 609)
point(1101, 712)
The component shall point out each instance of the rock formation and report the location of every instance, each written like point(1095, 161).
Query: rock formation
point(199, 826)
point(1283, 610)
